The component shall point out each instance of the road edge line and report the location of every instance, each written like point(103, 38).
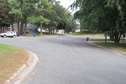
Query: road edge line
point(25, 70)
point(114, 51)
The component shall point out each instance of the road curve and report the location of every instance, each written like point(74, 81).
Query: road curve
point(71, 60)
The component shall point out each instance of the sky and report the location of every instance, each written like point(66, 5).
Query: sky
point(66, 3)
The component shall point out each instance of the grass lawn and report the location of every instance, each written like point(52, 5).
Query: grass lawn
point(11, 59)
point(87, 34)
point(110, 45)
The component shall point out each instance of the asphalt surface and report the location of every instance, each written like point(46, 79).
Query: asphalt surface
point(71, 60)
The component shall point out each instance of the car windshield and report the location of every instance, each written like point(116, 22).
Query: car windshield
point(9, 32)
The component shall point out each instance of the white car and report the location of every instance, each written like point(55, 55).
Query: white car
point(8, 34)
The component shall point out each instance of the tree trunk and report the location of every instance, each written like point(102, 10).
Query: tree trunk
point(18, 27)
point(53, 31)
point(50, 30)
point(25, 28)
point(21, 29)
point(105, 38)
point(12, 27)
point(40, 28)
point(111, 38)
point(3, 29)
point(116, 39)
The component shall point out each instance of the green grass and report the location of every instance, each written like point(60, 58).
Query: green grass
point(7, 49)
point(11, 59)
point(98, 40)
point(87, 34)
point(111, 45)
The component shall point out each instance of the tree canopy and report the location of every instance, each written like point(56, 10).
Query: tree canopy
point(44, 13)
point(4, 16)
point(107, 16)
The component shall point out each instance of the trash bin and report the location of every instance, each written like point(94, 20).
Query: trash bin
point(18, 34)
point(87, 38)
point(34, 34)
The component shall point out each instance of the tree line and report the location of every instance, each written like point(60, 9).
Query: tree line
point(107, 16)
point(42, 13)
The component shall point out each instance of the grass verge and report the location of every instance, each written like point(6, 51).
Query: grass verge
point(110, 45)
point(87, 34)
point(11, 59)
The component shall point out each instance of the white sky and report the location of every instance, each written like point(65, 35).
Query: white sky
point(66, 3)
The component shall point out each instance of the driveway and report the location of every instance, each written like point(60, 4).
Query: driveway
point(71, 60)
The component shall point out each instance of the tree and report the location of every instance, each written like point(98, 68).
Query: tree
point(53, 17)
point(38, 19)
point(53, 20)
point(17, 16)
point(42, 7)
point(60, 18)
point(27, 8)
point(106, 16)
point(4, 16)
point(119, 23)
point(48, 13)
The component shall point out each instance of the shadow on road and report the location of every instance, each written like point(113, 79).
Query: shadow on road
point(70, 41)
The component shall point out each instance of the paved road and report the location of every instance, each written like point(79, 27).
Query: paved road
point(71, 60)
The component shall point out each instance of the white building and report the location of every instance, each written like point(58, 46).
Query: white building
point(60, 31)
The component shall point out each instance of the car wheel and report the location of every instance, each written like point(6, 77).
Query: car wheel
point(4, 36)
point(14, 36)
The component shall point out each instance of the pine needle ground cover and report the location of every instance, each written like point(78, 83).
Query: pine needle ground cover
point(11, 59)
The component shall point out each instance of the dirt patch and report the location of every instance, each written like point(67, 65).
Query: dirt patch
point(11, 62)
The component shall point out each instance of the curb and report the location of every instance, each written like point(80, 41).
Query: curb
point(116, 52)
point(25, 70)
